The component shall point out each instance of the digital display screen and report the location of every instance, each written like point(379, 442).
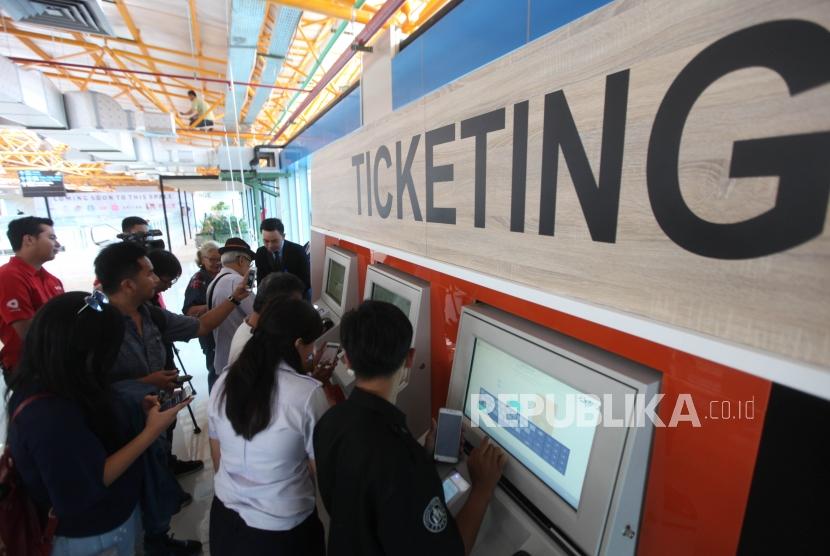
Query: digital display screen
point(379, 293)
point(41, 183)
point(334, 281)
point(548, 426)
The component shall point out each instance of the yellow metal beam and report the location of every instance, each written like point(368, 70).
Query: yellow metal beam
point(219, 133)
point(329, 8)
point(316, 33)
point(97, 58)
point(201, 118)
point(151, 60)
point(134, 31)
point(263, 42)
point(429, 10)
point(8, 22)
point(194, 28)
point(139, 85)
point(112, 84)
point(30, 44)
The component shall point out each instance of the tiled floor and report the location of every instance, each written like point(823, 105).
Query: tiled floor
point(192, 521)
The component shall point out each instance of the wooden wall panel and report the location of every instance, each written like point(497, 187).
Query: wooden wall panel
point(778, 303)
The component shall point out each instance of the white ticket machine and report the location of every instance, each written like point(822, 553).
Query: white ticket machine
point(570, 418)
point(339, 290)
point(410, 295)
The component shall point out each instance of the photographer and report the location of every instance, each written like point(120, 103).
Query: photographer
point(127, 277)
point(137, 230)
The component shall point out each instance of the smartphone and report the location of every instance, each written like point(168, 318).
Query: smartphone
point(170, 399)
point(454, 486)
point(251, 278)
point(448, 435)
point(330, 353)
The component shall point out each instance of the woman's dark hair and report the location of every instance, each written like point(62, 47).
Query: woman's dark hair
point(276, 286)
point(70, 355)
point(165, 263)
point(251, 384)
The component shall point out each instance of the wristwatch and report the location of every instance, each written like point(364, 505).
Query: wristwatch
point(233, 300)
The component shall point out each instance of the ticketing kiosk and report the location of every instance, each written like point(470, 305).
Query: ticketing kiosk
point(566, 414)
point(339, 289)
point(410, 295)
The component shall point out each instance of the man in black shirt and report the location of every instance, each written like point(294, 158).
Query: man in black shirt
point(280, 255)
point(379, 486)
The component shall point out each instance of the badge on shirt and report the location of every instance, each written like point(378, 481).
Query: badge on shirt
point(435, 516)
point(13, 304)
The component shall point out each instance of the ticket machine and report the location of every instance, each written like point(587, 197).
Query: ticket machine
point(411, 295)
point(339, 289)
point(566, 413)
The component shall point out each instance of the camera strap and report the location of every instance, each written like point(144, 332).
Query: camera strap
point(212, 287)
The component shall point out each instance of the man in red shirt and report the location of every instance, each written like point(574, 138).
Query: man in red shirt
point(24, 284)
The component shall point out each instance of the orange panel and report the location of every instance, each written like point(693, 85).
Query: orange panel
point(699, 477)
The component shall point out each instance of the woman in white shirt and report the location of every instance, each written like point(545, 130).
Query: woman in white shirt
point(262, 414)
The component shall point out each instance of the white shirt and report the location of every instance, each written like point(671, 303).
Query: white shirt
point(222, 286)
point(266, 480)
point(244, 333)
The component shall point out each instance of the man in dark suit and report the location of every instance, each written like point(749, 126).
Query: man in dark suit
point(279, 255)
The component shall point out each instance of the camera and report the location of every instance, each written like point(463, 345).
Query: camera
point(143, 239)
point(170, 399)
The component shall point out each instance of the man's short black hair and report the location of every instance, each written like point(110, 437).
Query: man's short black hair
point(272, 225)
point(191, 92)
point(277, 285)
point(128, 223)
point(26, 226)
point(376, 337)
point(118, 262)
point(165, 263)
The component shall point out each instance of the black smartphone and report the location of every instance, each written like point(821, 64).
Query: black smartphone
point(169, 399)
point(251, 278)
point(330, 353)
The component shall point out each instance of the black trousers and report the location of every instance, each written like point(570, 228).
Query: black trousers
point(231, 536)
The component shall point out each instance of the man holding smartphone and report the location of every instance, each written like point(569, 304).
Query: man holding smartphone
point(127, 277)
point(236, 263)
point(378, 484)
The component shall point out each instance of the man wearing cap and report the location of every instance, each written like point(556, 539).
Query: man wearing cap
point(236, 261)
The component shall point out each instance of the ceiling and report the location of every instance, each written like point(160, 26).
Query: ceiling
point(162, 48)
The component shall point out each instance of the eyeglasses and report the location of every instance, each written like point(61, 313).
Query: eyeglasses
point(95, 301)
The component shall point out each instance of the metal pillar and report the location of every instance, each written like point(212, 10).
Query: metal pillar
point(164, 209)
point(181, 215)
